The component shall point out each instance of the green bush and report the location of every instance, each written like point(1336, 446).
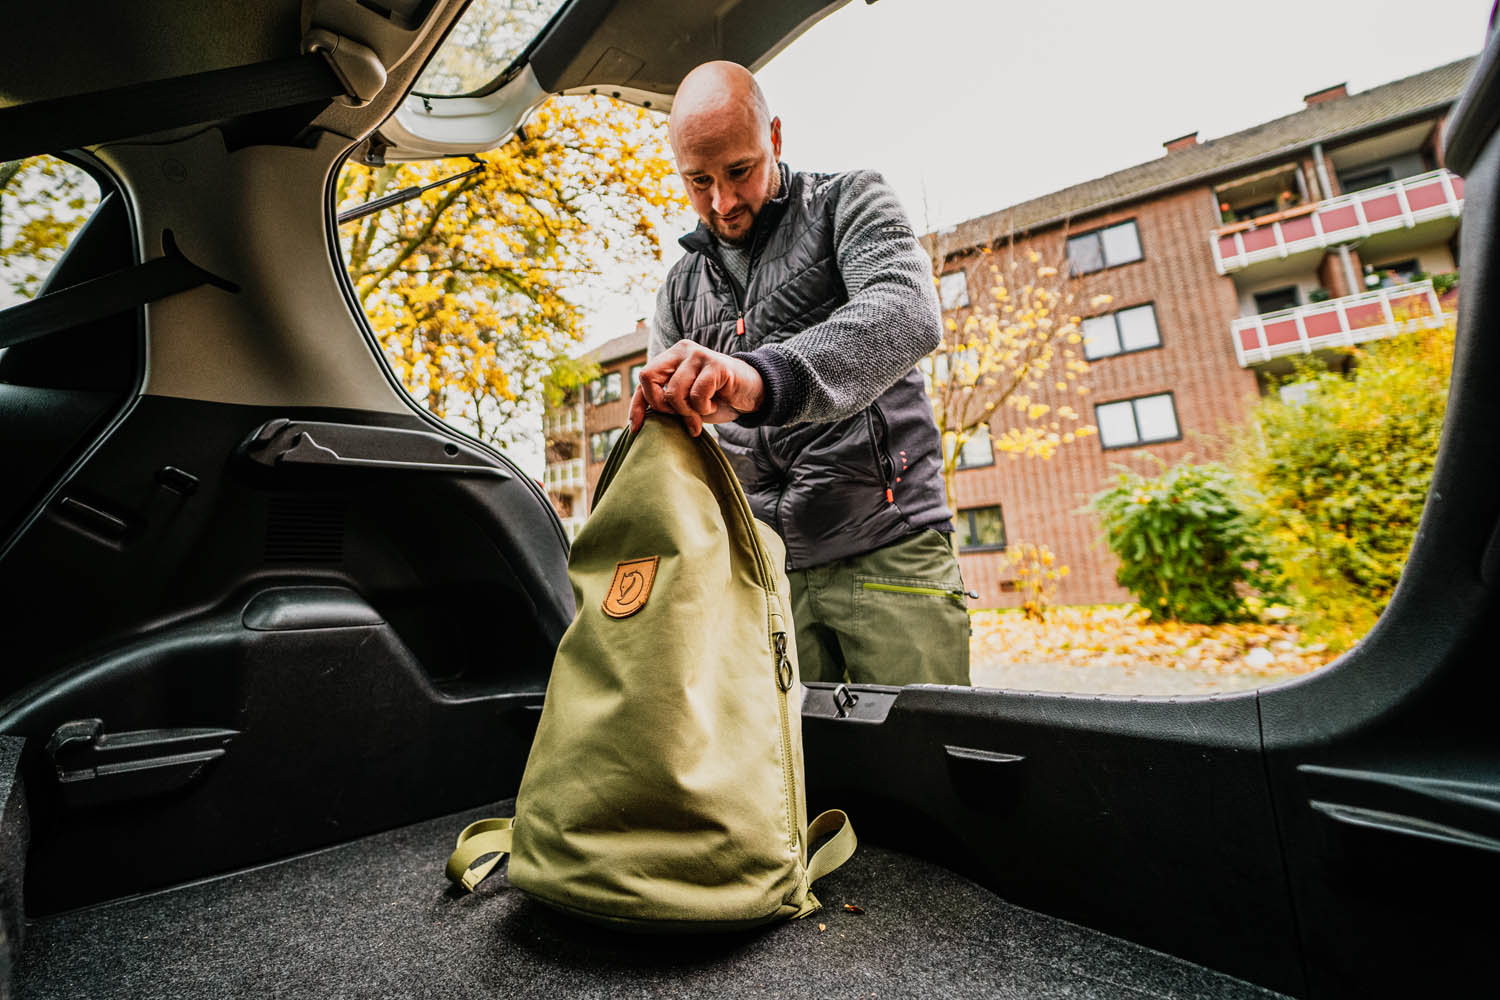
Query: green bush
point(1344, 475)
point(1187, 541)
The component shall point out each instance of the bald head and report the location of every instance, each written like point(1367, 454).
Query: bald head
point(719, 95)
point(726, 145)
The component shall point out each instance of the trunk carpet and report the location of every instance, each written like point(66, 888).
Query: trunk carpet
point(376, 918)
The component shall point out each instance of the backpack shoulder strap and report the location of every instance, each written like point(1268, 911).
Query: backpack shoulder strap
point(487, 836)
point(839, 848)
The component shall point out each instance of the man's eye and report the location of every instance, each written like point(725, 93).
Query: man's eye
point(701, 183)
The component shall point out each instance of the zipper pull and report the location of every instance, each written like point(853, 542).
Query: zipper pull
point(783, 663)
point(739, 326)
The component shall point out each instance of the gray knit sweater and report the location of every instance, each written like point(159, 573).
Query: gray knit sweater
point(834, 369)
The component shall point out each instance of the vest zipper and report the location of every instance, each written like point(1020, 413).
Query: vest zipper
point(956, 593)
point(880, 443)
point(735, 291)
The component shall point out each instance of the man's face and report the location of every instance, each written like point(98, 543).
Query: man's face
point(727, 161)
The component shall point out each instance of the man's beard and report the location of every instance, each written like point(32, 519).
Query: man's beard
point(744, 240)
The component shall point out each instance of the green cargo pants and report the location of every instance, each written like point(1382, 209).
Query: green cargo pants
point(897, 615)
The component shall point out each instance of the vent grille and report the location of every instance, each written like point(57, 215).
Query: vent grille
point(304, 529)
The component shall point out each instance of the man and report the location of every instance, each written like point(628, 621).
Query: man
point(794, 323)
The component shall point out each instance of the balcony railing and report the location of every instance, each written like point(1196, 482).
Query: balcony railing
point(1401, 204)
point(562, 422)
point(1343, 322)
point(572, 525)
point(564, 475)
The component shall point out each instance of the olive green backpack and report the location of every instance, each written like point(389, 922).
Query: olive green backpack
point(664, 787)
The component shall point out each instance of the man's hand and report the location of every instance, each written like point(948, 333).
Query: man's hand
point(700, 385)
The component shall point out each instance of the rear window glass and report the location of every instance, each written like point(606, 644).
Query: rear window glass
point(485, 41)
point(43, 203)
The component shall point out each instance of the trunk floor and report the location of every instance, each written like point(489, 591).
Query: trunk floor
point(376, 918)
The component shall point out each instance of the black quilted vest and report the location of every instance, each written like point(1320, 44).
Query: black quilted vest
point(831, 490)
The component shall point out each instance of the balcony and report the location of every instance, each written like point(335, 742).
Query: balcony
point(562, 422)
point(562, 476)
point(572, 525)
point(1402, 204)
point(1343, 322)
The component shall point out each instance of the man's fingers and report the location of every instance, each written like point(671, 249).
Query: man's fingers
point(711, 378)
point(680, 386)
point(651, 389)
point(637, 409)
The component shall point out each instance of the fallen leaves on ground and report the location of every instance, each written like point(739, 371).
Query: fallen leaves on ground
point(855, 909)
point(1120, 635)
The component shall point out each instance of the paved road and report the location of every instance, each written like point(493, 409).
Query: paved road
point(1110, 679)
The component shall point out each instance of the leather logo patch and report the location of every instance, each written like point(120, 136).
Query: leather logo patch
point(630, 587)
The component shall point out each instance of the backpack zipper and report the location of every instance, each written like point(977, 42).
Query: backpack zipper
point(784, 678)
point(956, 593)
point(781, 662)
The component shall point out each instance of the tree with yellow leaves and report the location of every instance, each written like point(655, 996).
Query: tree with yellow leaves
point(43, 203)
point(475, 288)
point(1010, 360)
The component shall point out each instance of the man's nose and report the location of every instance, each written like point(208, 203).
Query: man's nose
point(725, 200)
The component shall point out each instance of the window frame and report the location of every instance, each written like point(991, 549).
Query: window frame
point(960, 466)
point(1135, 417)
point(613, 433)
point(964, 520)
point(944, 277)
point(603, 378)
point(1098, 235)
point(1297, 302)
point(1358, 173)
point(634, 376)
point(1119, 339)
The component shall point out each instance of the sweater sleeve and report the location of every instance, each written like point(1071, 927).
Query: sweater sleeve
point(891, 320)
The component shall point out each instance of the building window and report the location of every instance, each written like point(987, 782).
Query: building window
point(1143, 420)
point(1276, 299)
point(635, 376)
point(1132, 329)
point(1359, 180)
point(1103, 248)
point(981, 529)
point(977, 451)
point(604, 389)
point(600, 442)
point(1398, 272)
point(953, 290)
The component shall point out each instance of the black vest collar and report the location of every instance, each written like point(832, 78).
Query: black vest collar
point(700, 240)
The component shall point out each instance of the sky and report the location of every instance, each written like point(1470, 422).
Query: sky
point(969, 106)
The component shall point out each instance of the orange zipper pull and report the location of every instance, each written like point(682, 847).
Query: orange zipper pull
point(739, 327)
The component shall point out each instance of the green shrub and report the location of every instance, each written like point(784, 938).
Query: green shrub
point(1188, 545)
point(1344, 476)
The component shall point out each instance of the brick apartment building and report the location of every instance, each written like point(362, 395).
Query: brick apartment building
point(1223, 259)
point(580, 433)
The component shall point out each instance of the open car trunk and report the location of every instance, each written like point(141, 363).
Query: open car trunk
point(245, 711)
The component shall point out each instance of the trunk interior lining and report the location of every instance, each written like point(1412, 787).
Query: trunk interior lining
point(375, 917)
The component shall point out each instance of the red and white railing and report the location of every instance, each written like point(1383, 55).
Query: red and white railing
point(1399, 205)
point(1342, 322)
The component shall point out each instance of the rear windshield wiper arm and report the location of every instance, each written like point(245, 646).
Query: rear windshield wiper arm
point(405, 194)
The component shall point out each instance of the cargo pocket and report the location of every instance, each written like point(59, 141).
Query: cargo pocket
point(909, 630)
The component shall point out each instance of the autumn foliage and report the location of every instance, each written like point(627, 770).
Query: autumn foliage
point(477, 286)
point(43, 202)
point(1010, 363)
point(1344, 467)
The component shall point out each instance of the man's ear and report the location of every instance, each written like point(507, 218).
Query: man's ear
point(776, 137)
